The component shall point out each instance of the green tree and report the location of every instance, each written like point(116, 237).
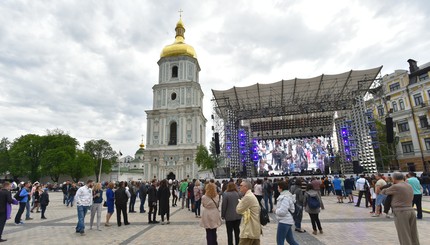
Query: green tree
point(80, 166)
point(25, 153)
point(385, 154)
point(60, 150)
point(203, 159)
point(102, 154)
point(217, 158)
point(4, 155)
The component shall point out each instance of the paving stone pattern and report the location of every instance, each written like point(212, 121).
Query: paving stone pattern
point(342, 224)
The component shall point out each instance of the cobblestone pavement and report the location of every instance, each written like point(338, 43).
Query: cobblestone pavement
point(342, 224)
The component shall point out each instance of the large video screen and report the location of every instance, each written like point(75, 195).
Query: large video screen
point(292, 155)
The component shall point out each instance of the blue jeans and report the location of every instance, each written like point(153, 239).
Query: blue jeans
point(82, 211)
point(197, 207)
point(285, 233)
point(426, 189)
point(27, 209)
point(70, 200)
point(267, 201)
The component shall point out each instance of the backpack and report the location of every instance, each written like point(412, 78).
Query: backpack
point(313, 202)
point(17, 197)
point(264, 216)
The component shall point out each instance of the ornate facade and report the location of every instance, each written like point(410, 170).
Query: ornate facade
point(176, 124)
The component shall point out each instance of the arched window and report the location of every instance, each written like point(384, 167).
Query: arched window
point(401, 104)
point(394, 106)
point(175, 71)
point(173, 133)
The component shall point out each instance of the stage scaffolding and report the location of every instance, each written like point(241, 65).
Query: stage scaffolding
point(286, 109)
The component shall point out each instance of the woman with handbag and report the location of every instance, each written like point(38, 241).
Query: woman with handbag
point(211, 218)
point(230, 199)
point(110, 198)
point(97, 205)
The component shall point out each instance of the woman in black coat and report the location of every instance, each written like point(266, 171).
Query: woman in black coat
point(163, 195)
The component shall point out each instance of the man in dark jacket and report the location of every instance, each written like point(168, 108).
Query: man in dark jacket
point(121, 199)
point(142, 196)
point(152, 202)
point(65, 188)
point(5, 199)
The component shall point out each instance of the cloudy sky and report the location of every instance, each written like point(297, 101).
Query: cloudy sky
point(88, 67)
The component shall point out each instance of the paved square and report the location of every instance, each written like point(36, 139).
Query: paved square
point(342, 224)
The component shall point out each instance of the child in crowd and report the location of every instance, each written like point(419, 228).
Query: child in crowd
point(373, 196)
point(44, 201)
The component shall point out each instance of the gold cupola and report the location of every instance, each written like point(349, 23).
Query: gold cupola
point(179, 47)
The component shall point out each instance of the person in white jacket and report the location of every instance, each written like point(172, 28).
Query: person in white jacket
point(84, 200)
point(284, 208)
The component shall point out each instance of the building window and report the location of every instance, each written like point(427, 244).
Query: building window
point(395, 106)
point(427, 142)
point(380, 110)
point(394, 86)
point(423, 77)
point(403, 127)
point(173, 133)
point(175, 71)
point(418, 99)
point(173, 96)
point(401, 104)
point(408, 147)
point(423, 122)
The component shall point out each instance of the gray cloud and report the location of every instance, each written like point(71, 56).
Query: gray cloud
point(88, 67)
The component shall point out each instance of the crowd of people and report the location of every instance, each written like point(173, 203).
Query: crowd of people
point(240, 203)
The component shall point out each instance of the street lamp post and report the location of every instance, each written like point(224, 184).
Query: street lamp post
point(100, 170)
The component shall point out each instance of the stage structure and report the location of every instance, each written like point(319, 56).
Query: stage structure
point(292, 115)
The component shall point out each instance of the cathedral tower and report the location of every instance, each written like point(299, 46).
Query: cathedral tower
point(176, 124)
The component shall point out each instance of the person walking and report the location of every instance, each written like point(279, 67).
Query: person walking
point(418, 195)
point(197, 198)
point(5, 200)
point(249, 208)
point(142, 197)
point(84, 200)
point(405, 219)
point(313, 205)
point(296, 190)
point(121, 199)
point(133, 195)
point(71, 196)
point(230, 199)
point(44, 202)
point(211, 218)
point(284, 212)
point(183, 191)
point(163, 195)
point(110, 199)
point(152, 202)
point(36, 198)
point(97, 206)
point(23, 195)
point(258, 190)
point(363, 186)
point(268, 194)
point(65, 188)
point(337, 185)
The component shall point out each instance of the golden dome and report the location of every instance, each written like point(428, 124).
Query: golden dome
point(179, 47)
point(142, 145)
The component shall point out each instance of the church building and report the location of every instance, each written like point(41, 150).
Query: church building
point(176, 124)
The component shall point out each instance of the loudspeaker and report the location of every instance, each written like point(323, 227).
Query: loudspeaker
point(217, 149)
point(356, 167)
point(390, 132)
